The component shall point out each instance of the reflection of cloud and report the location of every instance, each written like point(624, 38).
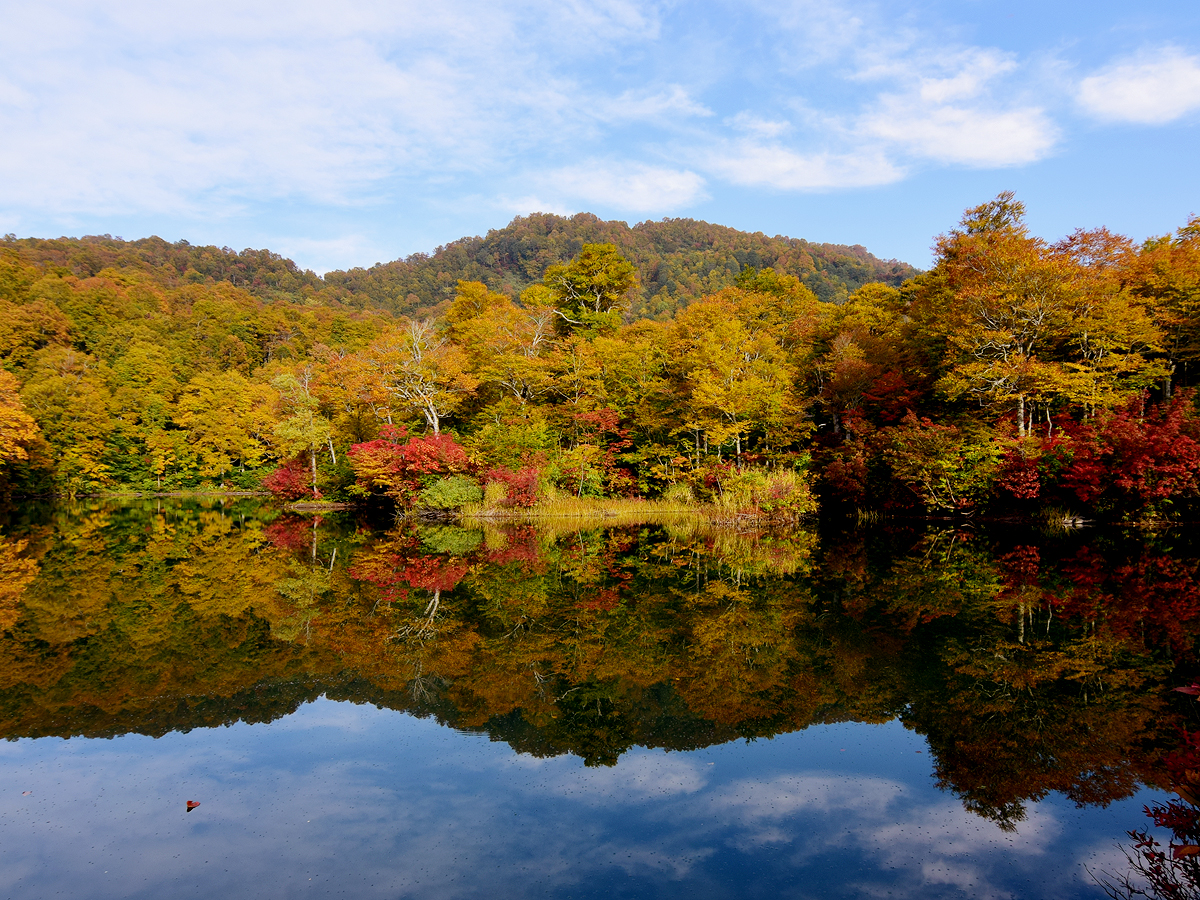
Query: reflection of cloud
point(638, 778)
point(758, 800)
point(877, 819)
point(1150, 89)
point(376, 804)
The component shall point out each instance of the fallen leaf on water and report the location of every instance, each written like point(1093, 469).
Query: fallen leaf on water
point(192, 804)
point(26, 793)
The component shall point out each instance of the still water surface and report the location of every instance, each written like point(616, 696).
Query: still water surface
point(438, 712)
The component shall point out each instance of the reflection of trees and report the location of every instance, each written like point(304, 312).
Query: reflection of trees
point(1021, 697)
point(1031, 669)
point(1171, 872)
point(18, 567)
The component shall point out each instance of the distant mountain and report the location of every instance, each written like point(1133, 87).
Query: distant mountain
point(679, 260)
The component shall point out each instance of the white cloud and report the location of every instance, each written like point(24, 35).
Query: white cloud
point(324, 254)
point(198, 108)
point(945, 109)
point(961, 134)
point(672, 100)
point(632, 186)
point(1152, 89)
point(758, 127)
point(771, 164)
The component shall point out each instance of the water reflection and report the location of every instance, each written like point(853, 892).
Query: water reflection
point(1029, 666)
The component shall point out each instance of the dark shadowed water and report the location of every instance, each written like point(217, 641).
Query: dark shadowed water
point(655, 712)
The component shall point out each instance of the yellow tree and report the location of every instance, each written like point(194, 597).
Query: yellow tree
point(422, 370)
point(1010, 298)
point(1166, 275)
point(736, 381)
point(67, 395)
point(303, 429)
point(18, 430)
point(593, 290)
point(505, 343)
point(227, 420)
point(1113, 339)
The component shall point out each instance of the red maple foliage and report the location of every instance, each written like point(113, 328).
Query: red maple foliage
point(521, 487)
point(400, 470)
point(1135, 458)
point(291, 482)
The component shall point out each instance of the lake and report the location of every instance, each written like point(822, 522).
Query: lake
point(212, 697)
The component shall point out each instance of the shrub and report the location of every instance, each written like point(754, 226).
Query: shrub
point(521, 488)
point(775, 496)
point(290, 482)
point(453, 492)
point(401, 471)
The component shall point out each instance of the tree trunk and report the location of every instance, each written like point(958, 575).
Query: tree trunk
point(1020, 415)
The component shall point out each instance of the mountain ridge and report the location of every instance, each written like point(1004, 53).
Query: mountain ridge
point(678, 261)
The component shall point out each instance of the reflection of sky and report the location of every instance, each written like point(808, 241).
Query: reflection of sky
point(344, 799)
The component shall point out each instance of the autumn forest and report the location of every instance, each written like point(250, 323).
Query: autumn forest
point(674, 361)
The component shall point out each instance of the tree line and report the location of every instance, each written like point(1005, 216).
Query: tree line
point(1015, 374)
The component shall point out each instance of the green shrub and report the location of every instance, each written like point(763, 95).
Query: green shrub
point(452, 492)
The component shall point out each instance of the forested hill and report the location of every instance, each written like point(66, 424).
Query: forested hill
point(679, 260)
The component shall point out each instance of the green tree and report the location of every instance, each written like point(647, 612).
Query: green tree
point(592, 291)
point(303, 429)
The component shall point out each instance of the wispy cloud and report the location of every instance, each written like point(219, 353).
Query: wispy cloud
point(633, 186)
point(1153, 88)
point(774, 165)
point(220, 111)
point(962, 134)
point(953, 108)
point(634, 105)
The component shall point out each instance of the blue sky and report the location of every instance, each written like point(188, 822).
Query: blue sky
point(345, 134)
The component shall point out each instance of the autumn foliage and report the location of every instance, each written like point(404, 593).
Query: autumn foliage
point(399, 470)
point(1018, 374)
